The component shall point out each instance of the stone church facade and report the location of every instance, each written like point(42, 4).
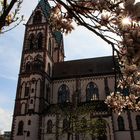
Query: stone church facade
point(63, 100)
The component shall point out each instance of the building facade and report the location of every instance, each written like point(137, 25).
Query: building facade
point(64, 100)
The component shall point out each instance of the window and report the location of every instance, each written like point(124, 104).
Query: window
point(104, 137)
point(20, 128)
point(32, 90)
point(65, 125)
point(120, 123)
point(28, 133)
point(31, 41)
point(49, 46)
point(138, 122)
point(29, 122)
point(63, 94)
point(39, 40)
point(92, 92)
point(27, 89)
point(28, 67)
point(31, 101)
point(38, 65)
point(47, 93)
point(37, 17)
point(49, 69)
point(49, 126)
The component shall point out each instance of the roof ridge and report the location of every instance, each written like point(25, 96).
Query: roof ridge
point(83, 59)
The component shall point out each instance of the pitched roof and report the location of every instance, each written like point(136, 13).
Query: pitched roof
point(58, 37)
point(84, 67)
point(46, 8)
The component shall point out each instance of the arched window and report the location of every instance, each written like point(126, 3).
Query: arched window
point(138, 121)
point(92, 92)
point(49, 69)
point(28, 67)
point(29, 122)
point(39, 40)
point(121, 123)
point(47, 93)
point(63, 94)
point(31, 41)
point(20, 128)
point(49, 126)
point(31, 101)
point(37, 65)
point(49, 46)
point(37, 17)
point(66, 125)
point(27, 90)
point(28, 133)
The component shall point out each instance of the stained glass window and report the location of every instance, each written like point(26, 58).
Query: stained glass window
point(92, 92)
point(121, 123)
point(63, 94)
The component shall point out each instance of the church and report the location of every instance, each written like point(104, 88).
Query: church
point(64, 100)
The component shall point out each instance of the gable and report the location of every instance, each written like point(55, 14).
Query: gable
point(44, 8)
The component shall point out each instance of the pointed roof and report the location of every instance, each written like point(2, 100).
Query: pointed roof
point(46, 8)
point(58, 36)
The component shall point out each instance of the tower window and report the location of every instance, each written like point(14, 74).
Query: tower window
point(38, 65)
point(49, 69)
point(138, 122)
point(39, 41)
point(49, 46)
point(28, 67)
point(20, 128)
point(47, 93)
point(27, 89)
point(120, 123)
point(63, 94)
point(49, 126)
point(37, 17)
point(31, 41)
point(92, 92)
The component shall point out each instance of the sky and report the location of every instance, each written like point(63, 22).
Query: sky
point(80, 44)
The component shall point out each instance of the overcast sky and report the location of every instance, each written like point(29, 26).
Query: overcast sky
point(80, 44)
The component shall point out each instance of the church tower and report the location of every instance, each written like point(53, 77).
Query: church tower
point(41, 49)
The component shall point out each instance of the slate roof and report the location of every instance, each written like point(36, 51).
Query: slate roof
point(84, 67)
point(46, 8)
point(58, 37)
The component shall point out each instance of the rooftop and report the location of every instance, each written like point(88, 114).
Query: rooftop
point(84, 67)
